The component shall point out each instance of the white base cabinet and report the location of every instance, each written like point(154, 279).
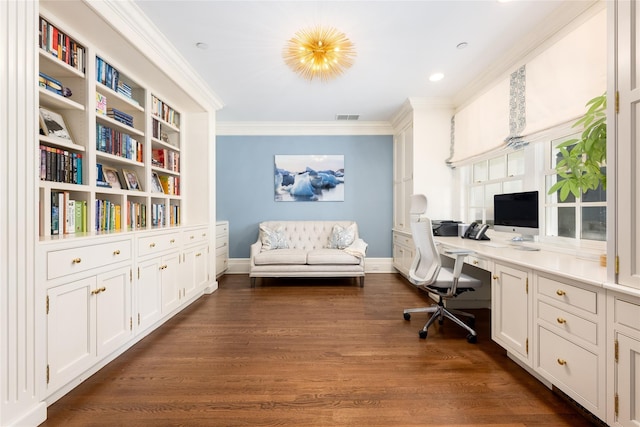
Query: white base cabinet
point(511, 310)
point(222, 247)
point(624, 349)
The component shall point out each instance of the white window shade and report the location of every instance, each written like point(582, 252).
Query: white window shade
point(483, 125)
point(563, 78)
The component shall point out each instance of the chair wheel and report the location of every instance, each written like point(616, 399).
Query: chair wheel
point(440, 321)
point(472, 339)
point(407, 316)
point(423, 334)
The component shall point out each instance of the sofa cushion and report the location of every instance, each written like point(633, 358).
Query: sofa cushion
point(281, 257)
point(341, 237)
point(273, 238)
point(331, 256)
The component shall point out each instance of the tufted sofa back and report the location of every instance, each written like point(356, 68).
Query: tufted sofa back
point(307, 235)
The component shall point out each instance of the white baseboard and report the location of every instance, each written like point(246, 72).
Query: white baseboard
point(372, 265)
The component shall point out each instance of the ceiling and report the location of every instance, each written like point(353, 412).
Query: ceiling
point(399, 44)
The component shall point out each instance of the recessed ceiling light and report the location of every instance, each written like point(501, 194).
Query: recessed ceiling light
point(436, 77)
point(202, 45)
point(462, 45)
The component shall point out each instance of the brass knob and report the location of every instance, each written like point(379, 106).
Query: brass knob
point(561, 320)
point(475, 262)
point(102, 289)
point(192, 237)
point(204, 234)
point(172, 241)
point(495, 277)
point(116, 252)
point(95, 291)
point(199, 254)
point(76, 261)
point(560, 292)
point(152, 245)
point(562, 362)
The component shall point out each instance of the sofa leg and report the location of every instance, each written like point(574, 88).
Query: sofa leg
point(362, 281)
point(253, 282)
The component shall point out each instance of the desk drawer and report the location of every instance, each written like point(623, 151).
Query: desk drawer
point(627, 314)
point(158, 243)
point(569, 323)
point(221, 242)
point(222, 229)
point(568, 294)
point(198, 235)
point(477, 262)
point(74, 260)
point(403, 240)
point(570, 365)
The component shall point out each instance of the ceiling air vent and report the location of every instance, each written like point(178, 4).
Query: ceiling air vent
point(347, 116)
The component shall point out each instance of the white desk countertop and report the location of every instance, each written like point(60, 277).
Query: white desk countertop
point(564, 265)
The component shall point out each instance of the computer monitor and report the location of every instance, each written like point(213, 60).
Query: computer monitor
point(517, 213)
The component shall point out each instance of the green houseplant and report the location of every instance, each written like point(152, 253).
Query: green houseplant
point(581, 160)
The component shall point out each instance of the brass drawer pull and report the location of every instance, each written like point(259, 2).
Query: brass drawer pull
point(495, 277)
point(204, 234)
point(172, 241)
point(192, 237)
point(97, 291)
point(562, 362)
point(76, 261)
point(560, 293)
point(116, 252)
point(152, 245)
point(561, 320)
point(475, 262)
point(199, 254)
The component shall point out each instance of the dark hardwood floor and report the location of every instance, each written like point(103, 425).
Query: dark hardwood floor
point(312, 353)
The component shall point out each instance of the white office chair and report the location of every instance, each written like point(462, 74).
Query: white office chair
point(428, 274)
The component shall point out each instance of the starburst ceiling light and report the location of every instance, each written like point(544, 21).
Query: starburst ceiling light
point(319, 52)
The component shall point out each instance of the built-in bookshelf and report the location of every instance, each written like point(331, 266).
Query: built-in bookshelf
point(108, 143)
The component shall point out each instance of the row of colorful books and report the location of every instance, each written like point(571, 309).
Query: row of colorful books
point(108, 215)
point(167, 159)
point(158, 132)
point(67, 216)
point(119, 144)
point(170, 184)
point(137, 215)
point(60, 45)
point(166, 113)
point(106, 74)
point(59, 165)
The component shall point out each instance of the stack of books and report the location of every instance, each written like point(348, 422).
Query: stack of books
point(50, 83)
point(120, 116)
point(124, 89)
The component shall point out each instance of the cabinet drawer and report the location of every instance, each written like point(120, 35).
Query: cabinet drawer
point(477, 262)
point(568, 294)
point(198, 235)
point(402, 240)
point(574, 325)
point(570, 365)
point(221, 263)
point(221, 242)
point(627, 313)
point(158, 243)
point(74, 260)
point(222, 229)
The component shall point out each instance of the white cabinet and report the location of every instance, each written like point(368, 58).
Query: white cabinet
point(86, 320)
point(624, 352)
point(511, 310)
point(222, 247)
point(403, 252)
point(148, 293)
point(170, 281)
point(570, 339)
point(195, 267)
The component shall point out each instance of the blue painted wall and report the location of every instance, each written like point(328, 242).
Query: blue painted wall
point(245, 186)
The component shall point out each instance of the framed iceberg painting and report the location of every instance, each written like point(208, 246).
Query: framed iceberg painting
point(309, 178)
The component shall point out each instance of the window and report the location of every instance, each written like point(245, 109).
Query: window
point(500, 174)
point(583, 218)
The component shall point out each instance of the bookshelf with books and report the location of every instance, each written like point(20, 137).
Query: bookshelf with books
point(88, 217)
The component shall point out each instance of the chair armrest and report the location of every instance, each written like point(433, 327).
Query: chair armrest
point(255, 249)
point(460, 255)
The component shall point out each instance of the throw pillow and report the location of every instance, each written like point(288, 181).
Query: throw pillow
point(342, 237)
point(273, 239)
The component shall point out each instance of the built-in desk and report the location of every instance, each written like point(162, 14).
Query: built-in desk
point(548, 312)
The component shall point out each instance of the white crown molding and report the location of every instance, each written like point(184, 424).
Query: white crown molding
point(127, 18)
point(404, 114)
point(303, 128)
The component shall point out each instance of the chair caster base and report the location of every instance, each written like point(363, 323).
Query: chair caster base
point(407, 316)
point(472, 339)
point(422, 334)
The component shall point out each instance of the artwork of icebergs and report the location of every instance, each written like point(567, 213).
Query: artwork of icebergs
point(309, 178)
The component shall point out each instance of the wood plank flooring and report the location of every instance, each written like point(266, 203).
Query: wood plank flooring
point(312, 353)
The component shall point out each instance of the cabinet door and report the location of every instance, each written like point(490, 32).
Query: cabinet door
point(194, 270)
point(148, 293)
point(172, 282)
point(510, 310)
point(70, 326)
point(627, 139)
point(628, 381)
point(113, 310)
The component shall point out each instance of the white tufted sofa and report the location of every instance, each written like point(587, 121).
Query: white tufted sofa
point(307, 253)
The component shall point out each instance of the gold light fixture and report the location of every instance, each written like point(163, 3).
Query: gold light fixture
point(319, 52)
